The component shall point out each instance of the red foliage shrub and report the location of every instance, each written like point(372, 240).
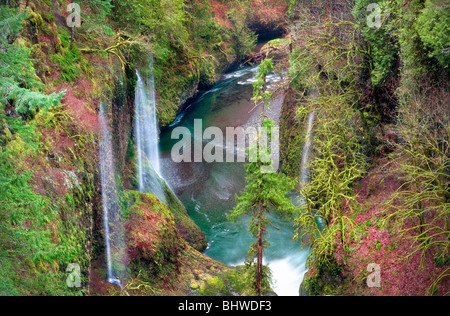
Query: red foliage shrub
point(220, 11)
point(400, 276)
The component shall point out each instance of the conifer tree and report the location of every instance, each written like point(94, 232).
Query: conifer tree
point(265, 192)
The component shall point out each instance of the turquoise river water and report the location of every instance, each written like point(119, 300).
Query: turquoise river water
point(208, 189)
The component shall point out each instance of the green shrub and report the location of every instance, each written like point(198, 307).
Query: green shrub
point(433, 26)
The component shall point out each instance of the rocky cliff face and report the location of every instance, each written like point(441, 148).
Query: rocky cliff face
point(291, 131)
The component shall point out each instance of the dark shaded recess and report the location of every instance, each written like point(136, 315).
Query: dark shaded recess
point(267, 32)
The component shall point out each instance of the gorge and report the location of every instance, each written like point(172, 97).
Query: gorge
point(121, 158)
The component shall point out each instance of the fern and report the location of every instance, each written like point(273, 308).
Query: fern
point(19, 84)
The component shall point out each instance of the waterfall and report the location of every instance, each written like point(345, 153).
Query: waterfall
point(146, 136)
point(304, 167)
point(109, 193)
point(146, 125)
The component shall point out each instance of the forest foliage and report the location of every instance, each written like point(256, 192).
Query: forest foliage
point(362, 79)
point(18, 81)
point(189, 44)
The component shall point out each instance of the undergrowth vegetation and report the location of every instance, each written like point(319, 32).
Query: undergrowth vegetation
point(379, 91)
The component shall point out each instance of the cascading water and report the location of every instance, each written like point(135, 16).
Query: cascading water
point(109, 194)
point(146, 136)
point(146, 125)
point(304, 167)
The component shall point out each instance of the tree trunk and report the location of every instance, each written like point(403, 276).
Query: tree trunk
point(421, 213)
point(260, 245)
point(341, 228)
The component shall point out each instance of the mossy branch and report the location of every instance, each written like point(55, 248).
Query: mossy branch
point(123, 42)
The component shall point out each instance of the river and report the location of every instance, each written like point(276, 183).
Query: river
point(208, 189)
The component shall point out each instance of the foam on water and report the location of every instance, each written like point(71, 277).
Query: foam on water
point(287, 274)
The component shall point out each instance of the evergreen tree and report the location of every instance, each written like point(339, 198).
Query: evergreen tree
point(265, 192)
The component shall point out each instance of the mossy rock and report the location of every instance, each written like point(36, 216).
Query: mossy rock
point(326, 279)
point(226, 283)
point(279, 41)
point(194, 285)
point(186, 226)
point(153, 240)
point(160, 258)
point(34, 17)
point(277, 48)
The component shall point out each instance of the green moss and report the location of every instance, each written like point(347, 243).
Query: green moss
point(173, 85)
point(291, 135)
point(186, 226)
point(154, 244)
point(279, 41)
point(228, 283)
point(327, 281)
point(213, 286)
point(194, 285)
point(35, 18)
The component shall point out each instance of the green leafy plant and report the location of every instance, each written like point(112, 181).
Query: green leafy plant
point(433, 28)
point(19, 85)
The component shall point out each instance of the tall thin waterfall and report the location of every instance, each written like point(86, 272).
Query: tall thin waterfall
point(109, 194)
point(304, 167)
point(146, 125)
point(146, 135)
